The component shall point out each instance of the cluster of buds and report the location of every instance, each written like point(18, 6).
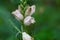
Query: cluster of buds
point(26, 18)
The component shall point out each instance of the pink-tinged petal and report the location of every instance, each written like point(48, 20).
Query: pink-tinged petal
point(18, 15)
point(29, 20)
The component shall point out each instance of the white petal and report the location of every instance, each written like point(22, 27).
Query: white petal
point(32, 9)
point(33, 20)
point(18, 15)
point(26, 36)
point(27, 20)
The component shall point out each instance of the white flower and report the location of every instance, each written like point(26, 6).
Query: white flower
point(28, 20)
point(26, 36)
point(18, 15)
point(30, 10)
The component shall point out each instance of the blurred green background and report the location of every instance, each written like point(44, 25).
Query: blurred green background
point(47, 16)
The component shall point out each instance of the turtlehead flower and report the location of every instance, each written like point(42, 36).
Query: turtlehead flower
point(26, 36)
point(29, 20)
point(30, 10)
point(18, 15)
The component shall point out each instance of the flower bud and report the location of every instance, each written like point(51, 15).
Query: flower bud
point(18, 15)
point(26, 36)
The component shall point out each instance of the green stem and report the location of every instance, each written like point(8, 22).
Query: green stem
point(23, 7)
